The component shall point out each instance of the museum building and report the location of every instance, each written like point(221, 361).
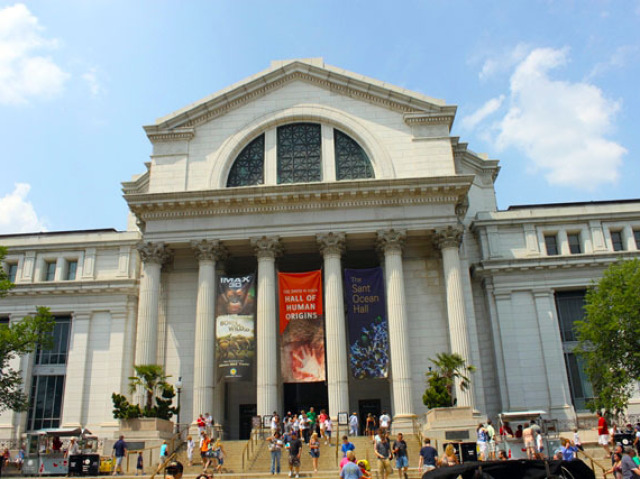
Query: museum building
point(303, 168)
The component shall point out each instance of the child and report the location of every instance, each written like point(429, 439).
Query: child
point(140, 465)
point(576, 439)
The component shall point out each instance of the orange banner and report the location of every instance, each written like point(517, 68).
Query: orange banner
point(301, 327)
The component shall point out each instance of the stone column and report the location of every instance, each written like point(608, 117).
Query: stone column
point(153, 255)
point(204, 368)
point(390, 243)
point(74, 401)
point(267, 249)
point(448, 241)
point(332, 247)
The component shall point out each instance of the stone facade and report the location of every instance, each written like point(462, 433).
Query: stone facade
point(460, 276)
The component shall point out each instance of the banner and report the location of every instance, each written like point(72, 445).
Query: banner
point(367, 323)
point(235, 327)
point(301, 327)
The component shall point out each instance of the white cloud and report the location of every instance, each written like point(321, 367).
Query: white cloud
point(503, 61)
point(17, 214)
point(93, 82)
point(469, 122)
point(559, 126)
point(619, 59)
point(24, 72)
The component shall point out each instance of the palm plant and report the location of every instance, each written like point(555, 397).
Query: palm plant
point(449, 369)
point(152, 379)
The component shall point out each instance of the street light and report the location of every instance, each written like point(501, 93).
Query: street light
point(179, 389)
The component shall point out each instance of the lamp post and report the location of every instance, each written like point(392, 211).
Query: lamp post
point(179, 389)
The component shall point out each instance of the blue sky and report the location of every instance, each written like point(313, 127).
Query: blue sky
point(550, 88)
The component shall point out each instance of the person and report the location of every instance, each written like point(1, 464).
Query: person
point(191, 445)
point(73, 449)
point(428, 457)
point(384, 421)
point(502, 455)
point(401, 455)
point(383, 454)
point(350, 470)
point(369, 426)
point(576, 439)
point(328, 426)
point(505, 430)
point(491, 440)
point(628, 467)
point(529, 441)
point(218, 453)
point(481, 439)
point(312, 416)
point(568, 450)
point(616, 468)
point(518, 434)
point(449, 458)
point(208, 423)
point(304, 426)
point(295, 452)
point(201, 424)
point(539, 446)
point(322, 418)
point(205, 453)
point(346, 446)
point(275, 448)
point(164, 452)
point(353, 424)
point(140, 464)
point(56, 445)
point(603, 434)
point(20, 458)
point(314, 450)
point(119, 451)
point(275, 423)
point(173, 470)
point(365, 469)
point(636, 441)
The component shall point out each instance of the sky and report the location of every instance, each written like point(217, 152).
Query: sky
point(549, 88)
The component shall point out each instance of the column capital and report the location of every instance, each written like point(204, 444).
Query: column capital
point(391, 240)
point(154, 252)
point(331, 243)
point(449, 237)
point(212, 250)
point(267, 246)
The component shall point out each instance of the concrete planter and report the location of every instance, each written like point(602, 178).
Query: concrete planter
point(146, 428)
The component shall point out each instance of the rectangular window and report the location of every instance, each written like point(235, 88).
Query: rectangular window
point(12, 271)
point(45, 406)
point(574, 243)
point(636, 236)
point(72, 267)
point(616, 240)
point(60, 347)
point(4, 321)
point(551, 243)
point(49, 270)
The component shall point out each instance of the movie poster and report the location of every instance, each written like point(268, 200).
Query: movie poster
point(235, 327)
point(301, 327)
point(367, 323)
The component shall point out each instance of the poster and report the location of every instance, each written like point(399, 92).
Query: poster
point(235, 327)
point(367, 323)
point(301, 327)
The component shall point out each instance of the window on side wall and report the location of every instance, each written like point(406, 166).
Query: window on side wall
point(551, 244)
point(12, 271)
point(72, 268)
point(574, 243)
point(49, 270)
point(636, 236)
point(616, 241)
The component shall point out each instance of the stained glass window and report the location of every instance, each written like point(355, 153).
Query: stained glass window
point(248, 169)
point(351, 160)
point(299, 153)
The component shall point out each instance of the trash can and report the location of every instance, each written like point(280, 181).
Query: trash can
point(90, 464)
point(468, 451)
point(75, 464)
point(624, 439)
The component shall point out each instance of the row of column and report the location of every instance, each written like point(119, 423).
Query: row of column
point(332, 246)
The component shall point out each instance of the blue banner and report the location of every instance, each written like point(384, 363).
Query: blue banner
point(367, 322)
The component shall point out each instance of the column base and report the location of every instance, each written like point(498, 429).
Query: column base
point(404, 423)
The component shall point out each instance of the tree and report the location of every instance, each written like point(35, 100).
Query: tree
point(152, 380)
point(609, 336)
point(441, 381)
point(16, 339)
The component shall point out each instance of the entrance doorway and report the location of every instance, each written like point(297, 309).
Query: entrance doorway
point(247, 411)
point(365, 407)
point(298, 396)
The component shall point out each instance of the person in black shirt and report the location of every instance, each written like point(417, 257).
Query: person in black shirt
point(295, 451)
point(382, 451)
point(428, 457)
point(402, 459)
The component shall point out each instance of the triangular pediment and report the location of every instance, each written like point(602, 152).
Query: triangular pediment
point(414, 106)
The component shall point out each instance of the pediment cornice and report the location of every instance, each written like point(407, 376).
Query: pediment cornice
point(301, 197)
point(330, 78)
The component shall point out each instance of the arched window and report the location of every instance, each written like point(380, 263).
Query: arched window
point(299, 153)
point(248, 169)
point(351, 160)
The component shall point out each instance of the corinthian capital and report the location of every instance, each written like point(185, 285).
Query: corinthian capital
point(450, 237)
point(391, 240)
point(331, 243)
point(212, 250)
point(267, 246)
point(154, 252)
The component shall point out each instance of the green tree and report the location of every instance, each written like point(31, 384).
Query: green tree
point(158, 395)
point(609, 336)
point(441, 381)
point(16, 339)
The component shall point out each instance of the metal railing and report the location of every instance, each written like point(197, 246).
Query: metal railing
point(174, 443)
point(593, 462)
point(250, 449)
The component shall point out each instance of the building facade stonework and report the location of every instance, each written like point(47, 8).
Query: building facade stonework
point(302, 167)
